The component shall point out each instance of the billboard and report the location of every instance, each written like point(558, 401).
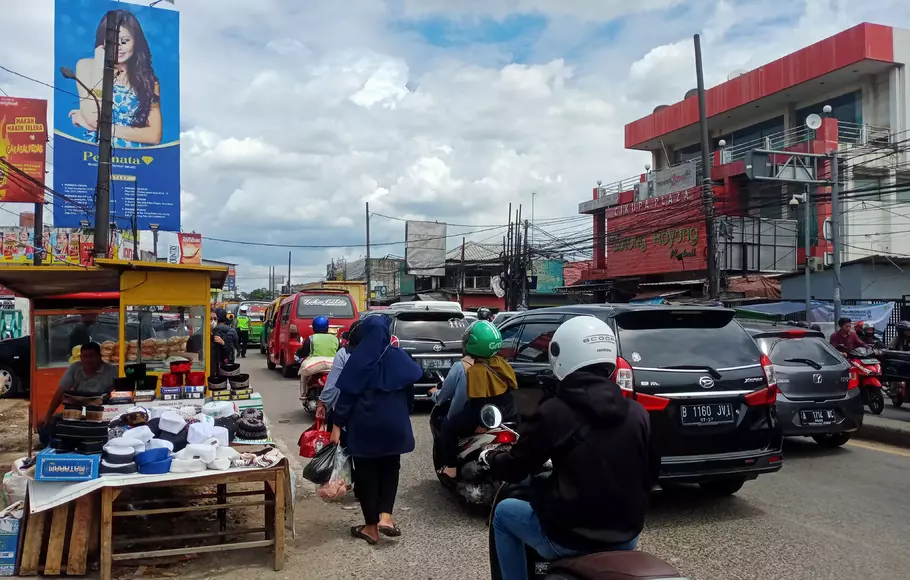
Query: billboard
point(62, 246)
point(23, 138)
point(230, 283)
point(425, 248)
point(146, 113)
point(549, 276)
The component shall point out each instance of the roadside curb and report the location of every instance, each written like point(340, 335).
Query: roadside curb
point(898, 435)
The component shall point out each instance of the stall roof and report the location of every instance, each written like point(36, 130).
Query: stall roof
point(104, 276)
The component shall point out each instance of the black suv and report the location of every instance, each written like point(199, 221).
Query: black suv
point(708, 388)
point(433, 339)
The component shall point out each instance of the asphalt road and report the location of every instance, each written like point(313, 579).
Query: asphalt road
point(827, 514)
point(892, 412)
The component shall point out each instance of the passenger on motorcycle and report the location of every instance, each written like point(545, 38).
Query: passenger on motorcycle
point(866, 333)
point(604, 464)
point(320, 343)
point(844, 338)
point(329, 394)
point(902, 340)
point(481, 377)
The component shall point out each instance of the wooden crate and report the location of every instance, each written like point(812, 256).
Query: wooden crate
point(71, 529)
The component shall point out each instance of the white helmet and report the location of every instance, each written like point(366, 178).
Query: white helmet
point(244, 307)
point(580, 342)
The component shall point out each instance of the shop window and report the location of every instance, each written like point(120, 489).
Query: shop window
point(867, 188)
point(59, 337)
point(163, 332)
point(687, 153)
point(846, 108)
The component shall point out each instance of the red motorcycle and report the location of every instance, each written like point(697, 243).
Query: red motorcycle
point(867, 371)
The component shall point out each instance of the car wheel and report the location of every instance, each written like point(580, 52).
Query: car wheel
point(722, 487)
point(268, 362)
point(832, 440)
point(287, 371)
point(262, 349)
point(9, 382)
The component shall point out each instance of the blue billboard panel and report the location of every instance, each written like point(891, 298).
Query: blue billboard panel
point(146, 113)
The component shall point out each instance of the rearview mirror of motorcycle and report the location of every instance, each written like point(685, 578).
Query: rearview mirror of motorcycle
point(491, 416)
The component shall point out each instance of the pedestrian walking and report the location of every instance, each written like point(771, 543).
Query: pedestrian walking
point(375, 396)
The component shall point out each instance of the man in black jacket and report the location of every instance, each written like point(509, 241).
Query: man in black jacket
point(604, 463)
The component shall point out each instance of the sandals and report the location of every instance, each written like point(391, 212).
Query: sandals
point(357, 532)
point(392, 531)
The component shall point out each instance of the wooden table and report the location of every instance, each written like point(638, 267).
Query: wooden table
point(87, 517)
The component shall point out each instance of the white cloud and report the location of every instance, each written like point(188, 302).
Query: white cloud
point(295, 114)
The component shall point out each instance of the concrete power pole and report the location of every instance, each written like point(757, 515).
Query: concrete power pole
point(105, 130)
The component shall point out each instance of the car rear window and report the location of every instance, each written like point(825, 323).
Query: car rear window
point(795, 351)
point(665, 339)
point(330, 305)
point(447, 330)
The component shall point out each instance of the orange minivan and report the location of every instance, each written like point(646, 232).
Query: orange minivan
point(292, 323)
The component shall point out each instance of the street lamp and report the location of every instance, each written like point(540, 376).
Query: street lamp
point(155, 228)
point(69, 74)
point(795, 201)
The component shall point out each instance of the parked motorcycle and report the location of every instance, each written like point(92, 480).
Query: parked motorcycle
point(868, 371)
point(897, 392)
point(625, 565)
point(473, 482)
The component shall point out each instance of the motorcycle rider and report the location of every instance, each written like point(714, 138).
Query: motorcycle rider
point(902, 340)
point(320, 343)
point(243, 328)
point(844, 338)
point(484, 313)
point(866, 333)
point(604, 461)
point(479, 378)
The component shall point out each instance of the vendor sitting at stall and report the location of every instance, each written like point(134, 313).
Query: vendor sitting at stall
point(90, 377)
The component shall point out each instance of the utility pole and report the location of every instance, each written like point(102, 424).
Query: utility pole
point(38, 242)
point(835, 230)
point(136, 219)
point(289, 272)
point(461, 290)
point(105, 129)
point(508, 271)
point(525, 268)
point(707, 188)
point(366, 269)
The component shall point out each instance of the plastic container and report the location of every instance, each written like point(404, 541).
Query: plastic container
point(181, 366)
point(195, 379)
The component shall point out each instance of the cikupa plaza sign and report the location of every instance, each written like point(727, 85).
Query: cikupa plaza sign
point(664, 188)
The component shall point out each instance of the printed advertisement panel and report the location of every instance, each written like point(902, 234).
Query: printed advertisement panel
point(146, 112)
point(662, 237)
point(230, 283)
point(190, 248)
point(23, 139)
point(61, 246)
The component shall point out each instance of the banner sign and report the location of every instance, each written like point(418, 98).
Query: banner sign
point(230, 284)
point(190, 248)
point(146, 113)
point(23, 138)
point(878, 314)
point(673, 179)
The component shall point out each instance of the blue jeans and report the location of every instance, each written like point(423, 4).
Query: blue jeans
point(515, 525)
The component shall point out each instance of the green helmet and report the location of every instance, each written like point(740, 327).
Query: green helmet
point(482, 339)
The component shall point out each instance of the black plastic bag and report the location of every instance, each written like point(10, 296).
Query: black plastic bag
point(319, 469)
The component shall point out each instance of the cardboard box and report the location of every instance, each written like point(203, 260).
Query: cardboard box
point(53, 466)
point(9, 543)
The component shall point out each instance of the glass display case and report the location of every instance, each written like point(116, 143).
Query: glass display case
point(60, 336)
point(157, 334)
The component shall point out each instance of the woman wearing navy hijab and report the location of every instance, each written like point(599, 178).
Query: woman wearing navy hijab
point(374, 407)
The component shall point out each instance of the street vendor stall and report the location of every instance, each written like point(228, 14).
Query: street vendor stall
point(167, 423)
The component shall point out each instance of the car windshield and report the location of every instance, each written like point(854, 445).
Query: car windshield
point(329, 305)
point(667, 339)
point(796, 352)
point(444, 330)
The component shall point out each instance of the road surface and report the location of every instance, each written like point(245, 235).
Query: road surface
point(828, 514)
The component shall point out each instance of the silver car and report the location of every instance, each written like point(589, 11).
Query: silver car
point(817, 398)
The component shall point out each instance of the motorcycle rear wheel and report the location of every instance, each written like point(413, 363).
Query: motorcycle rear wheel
point(897, 400)
point(876, 402)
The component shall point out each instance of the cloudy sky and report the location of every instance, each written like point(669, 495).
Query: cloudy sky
point(297, 113)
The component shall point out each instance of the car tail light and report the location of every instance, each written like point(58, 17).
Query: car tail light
point(854, 380)
point(623, 376)
point(768, 395)
point(651, 402)
point(794, 333)
point(505, 438)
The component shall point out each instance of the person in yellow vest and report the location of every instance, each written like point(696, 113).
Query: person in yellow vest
point(320, 343)
point(243, 328)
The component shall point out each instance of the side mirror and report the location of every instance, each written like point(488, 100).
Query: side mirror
point(490, 416)
point(293, 330)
